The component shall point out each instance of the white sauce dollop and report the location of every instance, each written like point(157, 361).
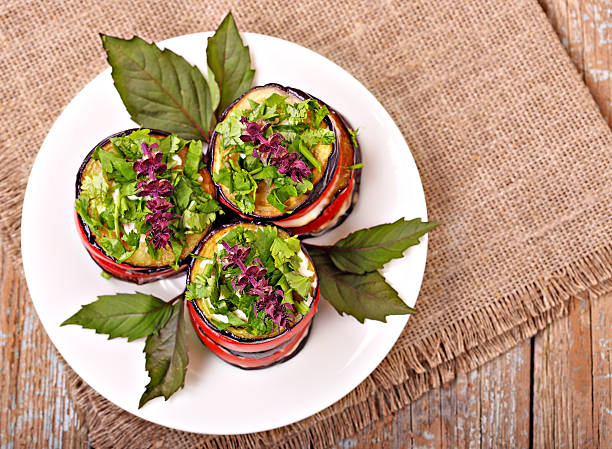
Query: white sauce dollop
point(129, 227)
point(304, 271)
point(240, 314)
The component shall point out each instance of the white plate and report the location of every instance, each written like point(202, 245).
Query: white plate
point(218, 398)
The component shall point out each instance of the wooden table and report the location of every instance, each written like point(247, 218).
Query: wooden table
point(551, 391)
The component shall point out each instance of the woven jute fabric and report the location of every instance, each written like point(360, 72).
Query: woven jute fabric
point(514, 156)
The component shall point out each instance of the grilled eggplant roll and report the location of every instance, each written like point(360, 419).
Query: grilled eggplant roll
point(144, 199)
point(252, 292)
point(280, 155)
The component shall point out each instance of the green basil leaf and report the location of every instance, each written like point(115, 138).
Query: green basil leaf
point(215, 91)
point(230, 62)
point(362, 296)
point(369, 249)
point(159, 88)
point(131, 316)
point(166, 357)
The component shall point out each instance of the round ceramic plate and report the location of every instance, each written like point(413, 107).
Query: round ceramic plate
point(218, 398)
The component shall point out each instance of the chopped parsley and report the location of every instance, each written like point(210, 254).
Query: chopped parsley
point(141, 197)
point(271, 143)
point(257, 280)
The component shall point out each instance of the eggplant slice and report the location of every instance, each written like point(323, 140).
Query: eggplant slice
point(234, 345)
point(140, 267)
point(335, 186)
point(207, 249)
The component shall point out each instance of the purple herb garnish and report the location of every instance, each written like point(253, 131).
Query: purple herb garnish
point(159, 205)
point(249, 276)
point(159, 218)
point(270, 299)
point(160, 237)
point(151, 162)
point(289, 164)
point(236, 256)
point(155, 188)
point(271, 152)
point(280, 314)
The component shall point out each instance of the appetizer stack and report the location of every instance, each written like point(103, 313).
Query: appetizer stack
point(150, 205)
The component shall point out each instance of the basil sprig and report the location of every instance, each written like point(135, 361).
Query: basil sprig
point(135, 316)
point(160, 89)
point(349, 270)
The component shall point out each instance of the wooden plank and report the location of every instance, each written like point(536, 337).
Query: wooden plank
point(601, 341)
point(585, 29)
point(566, 17)
point(505, 399)
point(35, 410)
point(486, 408)
point(562, 396)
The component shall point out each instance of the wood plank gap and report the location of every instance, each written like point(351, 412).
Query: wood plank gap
point(531, 389)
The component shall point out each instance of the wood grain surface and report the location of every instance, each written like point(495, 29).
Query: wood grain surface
point(551, 391)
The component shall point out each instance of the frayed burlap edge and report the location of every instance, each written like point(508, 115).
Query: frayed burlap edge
point(402, 377)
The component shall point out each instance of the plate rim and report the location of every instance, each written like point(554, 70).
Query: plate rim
point(424, 240)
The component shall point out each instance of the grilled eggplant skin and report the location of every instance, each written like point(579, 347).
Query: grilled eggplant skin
point(328, 190)
point(250, 360)
point(139, 274)
point(256, 351)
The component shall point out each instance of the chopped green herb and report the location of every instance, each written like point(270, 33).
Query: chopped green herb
point(354, 167)
point(121, 203)
point(271, 143)
point(231, 296)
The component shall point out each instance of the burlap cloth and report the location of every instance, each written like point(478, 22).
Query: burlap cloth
point(514, 156)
